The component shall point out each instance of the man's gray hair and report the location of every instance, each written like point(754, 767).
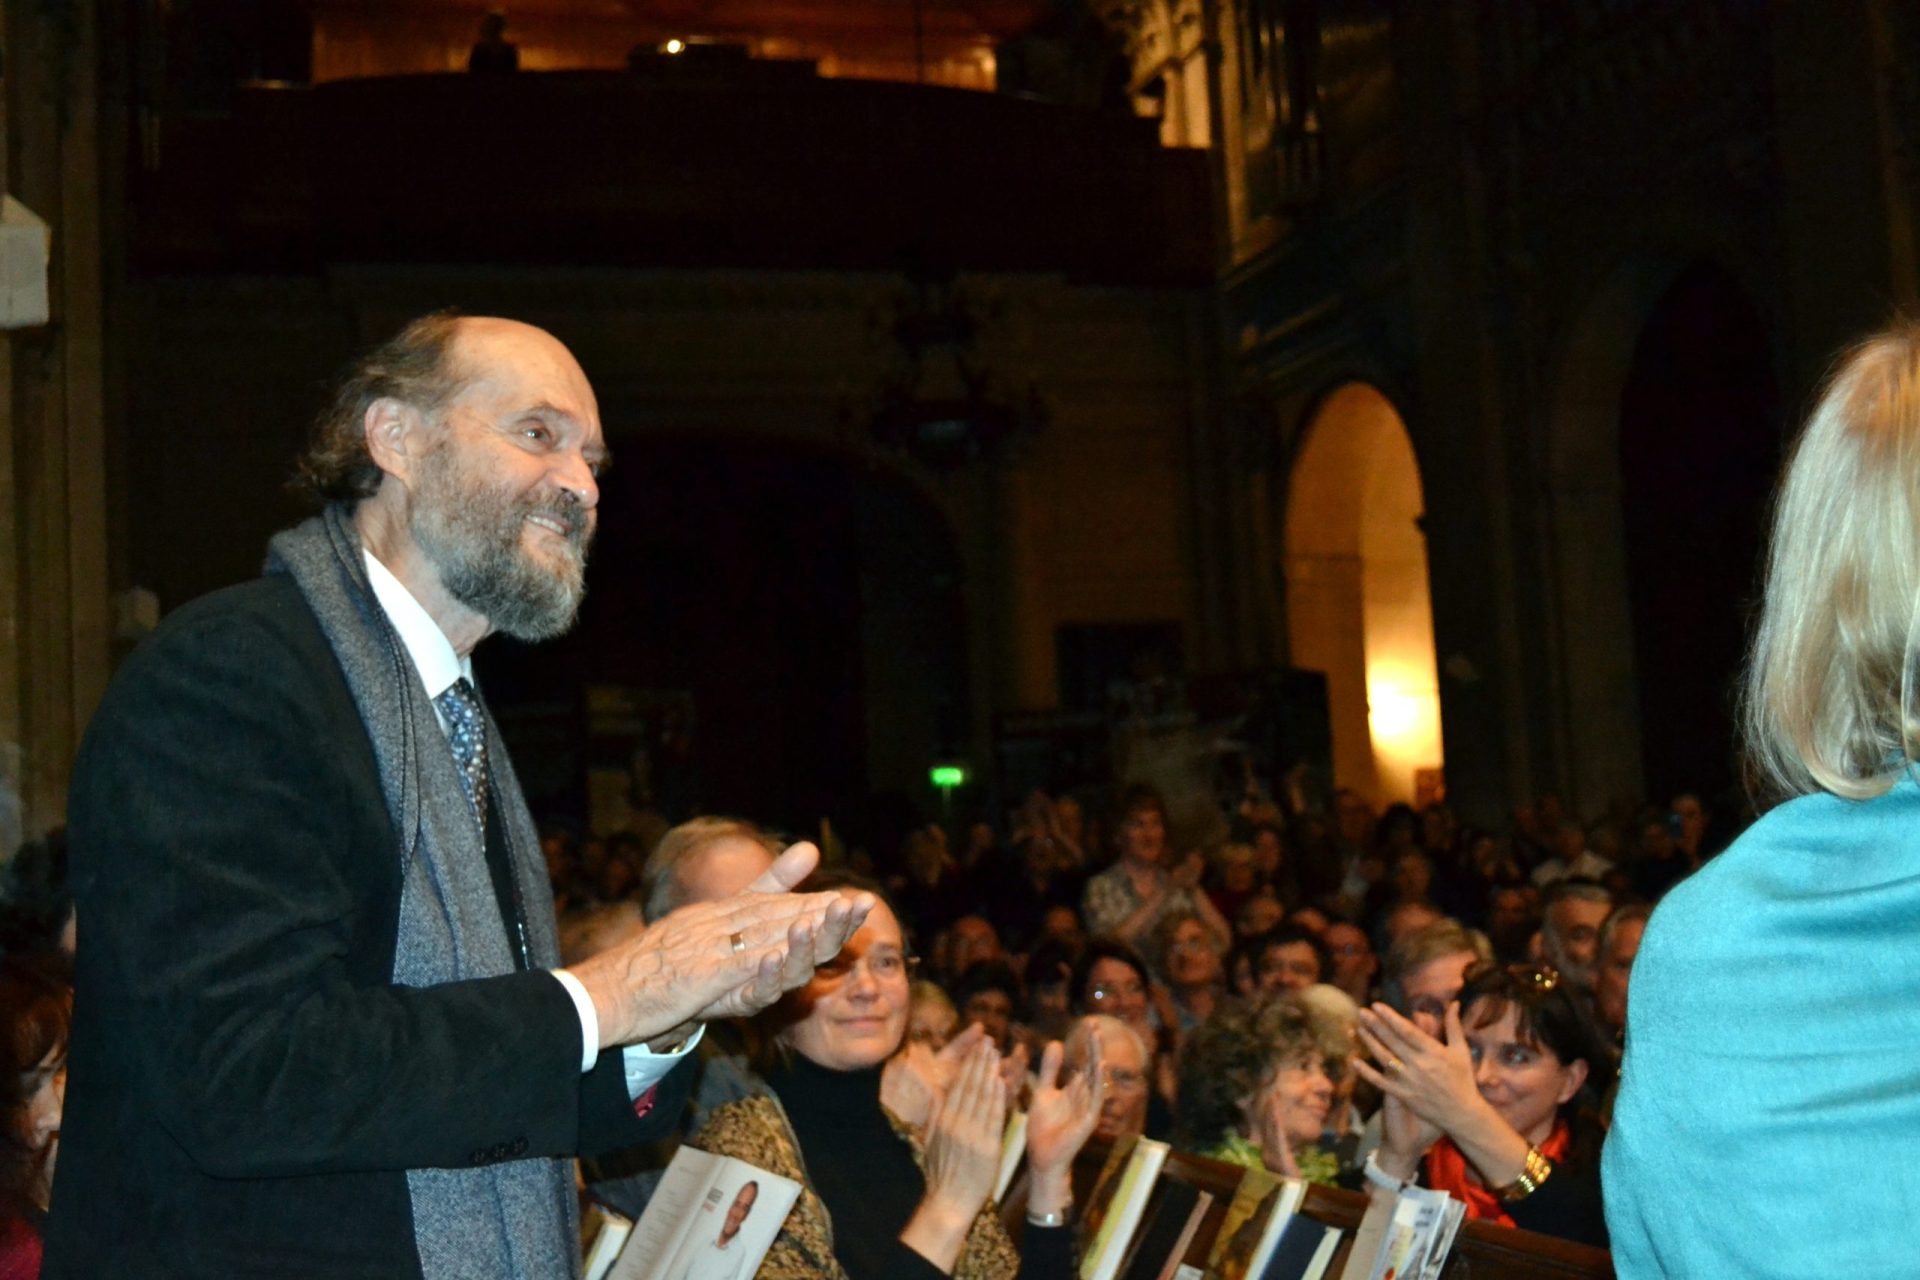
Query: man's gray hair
point(1079, 1038)
point(660, 880)
point(1444, 937)
point(1621, 917)
point(415, 367)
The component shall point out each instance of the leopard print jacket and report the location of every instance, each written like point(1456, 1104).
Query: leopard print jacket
point(756, 1130)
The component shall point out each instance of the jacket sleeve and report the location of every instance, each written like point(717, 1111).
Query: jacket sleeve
point(238, 880)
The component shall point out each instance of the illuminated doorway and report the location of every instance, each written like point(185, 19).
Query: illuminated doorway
point(1358, 603)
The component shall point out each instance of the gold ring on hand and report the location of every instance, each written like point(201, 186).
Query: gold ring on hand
point(1393, 1064)
point(739, 941)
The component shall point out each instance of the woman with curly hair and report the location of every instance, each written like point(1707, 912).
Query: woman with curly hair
point(1254, 1090)
point(1500, 1113)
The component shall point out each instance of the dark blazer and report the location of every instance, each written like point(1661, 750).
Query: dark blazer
point(246, 1088)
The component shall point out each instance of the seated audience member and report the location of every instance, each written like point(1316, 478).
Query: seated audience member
point(703, 859)
point(1288, 959)
point(1336, 1021)
point(1254, 1090)
point(36, 902)
point(1190, 960)
point(1499, 1114)
point(1353, 958)
point(1310, 918)
point(1426, 970)
point(987, 994)
point(1236, 878)
point(1570, 921)
point(1659, 862)
point(1619, 944)
point(931, 1018)
point(1124, 1084)
point(1270, 862)
point(1513, 918)
point(1061, 925)
point(1402, 920)
point(36, 1014)
point(972, 940)
point(1572, 858)
point(1048, 1014)
point(932, 891)
point(876, 1205)
point(1258, 914)
point(1112, 979)
point(1126, 899)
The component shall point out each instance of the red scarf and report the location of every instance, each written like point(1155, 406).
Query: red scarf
point(1448, 1171)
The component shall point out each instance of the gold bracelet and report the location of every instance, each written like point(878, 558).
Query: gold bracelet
point(1536, 1170)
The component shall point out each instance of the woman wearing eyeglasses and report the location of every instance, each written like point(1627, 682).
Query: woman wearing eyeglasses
point(881, 1203)
point(1499, 1114)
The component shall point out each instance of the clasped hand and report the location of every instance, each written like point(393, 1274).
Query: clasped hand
point(724, 959)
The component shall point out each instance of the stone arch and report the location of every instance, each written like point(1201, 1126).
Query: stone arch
point(1609, 697)
point(1359, 603)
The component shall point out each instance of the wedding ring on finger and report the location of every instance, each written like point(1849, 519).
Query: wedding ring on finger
point(739, 942)
point(1394, 1064)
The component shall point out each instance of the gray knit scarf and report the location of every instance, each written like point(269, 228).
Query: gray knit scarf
point(517, 1219)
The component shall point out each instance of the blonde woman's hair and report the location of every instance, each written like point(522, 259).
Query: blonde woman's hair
point(1828, 702)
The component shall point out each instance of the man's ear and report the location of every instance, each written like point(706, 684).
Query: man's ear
point(396, 435)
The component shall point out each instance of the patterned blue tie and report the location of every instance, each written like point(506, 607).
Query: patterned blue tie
point(467, 734)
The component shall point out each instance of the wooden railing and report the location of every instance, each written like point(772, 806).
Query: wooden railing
point(1482, 1251)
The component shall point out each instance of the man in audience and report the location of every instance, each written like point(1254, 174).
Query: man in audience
point(1619, 944)
point(1354, 961)
point(1512, 920)
point(988, 993)
point(324, 1028)
point(1570, 929)
point(972, 940)
point(1125, 1083)
point(1660, 862)
point(1425, 970)
point(1288, 959)
point(1571, 857)
point(705, 859)
point(1405, 919)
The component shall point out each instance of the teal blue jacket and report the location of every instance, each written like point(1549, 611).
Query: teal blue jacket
point(1768, 1122)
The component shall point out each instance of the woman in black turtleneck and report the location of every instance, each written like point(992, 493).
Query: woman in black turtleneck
point(879, 1203)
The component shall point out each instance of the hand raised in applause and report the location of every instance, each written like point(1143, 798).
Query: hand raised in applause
point(724, 959)
point(963, 1155)
point(1060, 1119)
point(916, 1078)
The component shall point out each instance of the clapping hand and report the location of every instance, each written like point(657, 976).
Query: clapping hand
point(724, 959)
point(1062, 1117)
point(1432, 1080)
point(963, 1155)
point(916, 1078)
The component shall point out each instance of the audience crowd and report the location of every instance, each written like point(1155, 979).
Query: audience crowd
point(1356, 998)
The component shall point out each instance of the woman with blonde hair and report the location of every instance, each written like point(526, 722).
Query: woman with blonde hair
point(1769, 1091)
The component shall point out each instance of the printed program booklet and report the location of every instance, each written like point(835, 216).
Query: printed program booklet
point(711, 1218)
point(1118, 1201)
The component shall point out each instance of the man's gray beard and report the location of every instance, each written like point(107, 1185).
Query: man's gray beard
point(474, 541)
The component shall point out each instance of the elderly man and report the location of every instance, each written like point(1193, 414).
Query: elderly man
point(320, 1027)
point(1125, 1084)
point(1570, 924)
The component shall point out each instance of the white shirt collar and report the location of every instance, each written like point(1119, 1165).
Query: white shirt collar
point(432, 653)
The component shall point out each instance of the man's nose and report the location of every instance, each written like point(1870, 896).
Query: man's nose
point(577, 478)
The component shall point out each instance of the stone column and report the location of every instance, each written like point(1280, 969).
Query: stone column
point(55, 628)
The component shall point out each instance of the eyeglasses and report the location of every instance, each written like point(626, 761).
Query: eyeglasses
point(882, 965)
point(1117, 991)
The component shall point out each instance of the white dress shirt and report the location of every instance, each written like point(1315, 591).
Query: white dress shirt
point(440, 668)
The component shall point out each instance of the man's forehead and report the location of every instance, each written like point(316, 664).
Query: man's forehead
point(509, 359)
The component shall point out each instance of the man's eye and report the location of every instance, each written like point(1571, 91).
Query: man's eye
point(536, 431)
